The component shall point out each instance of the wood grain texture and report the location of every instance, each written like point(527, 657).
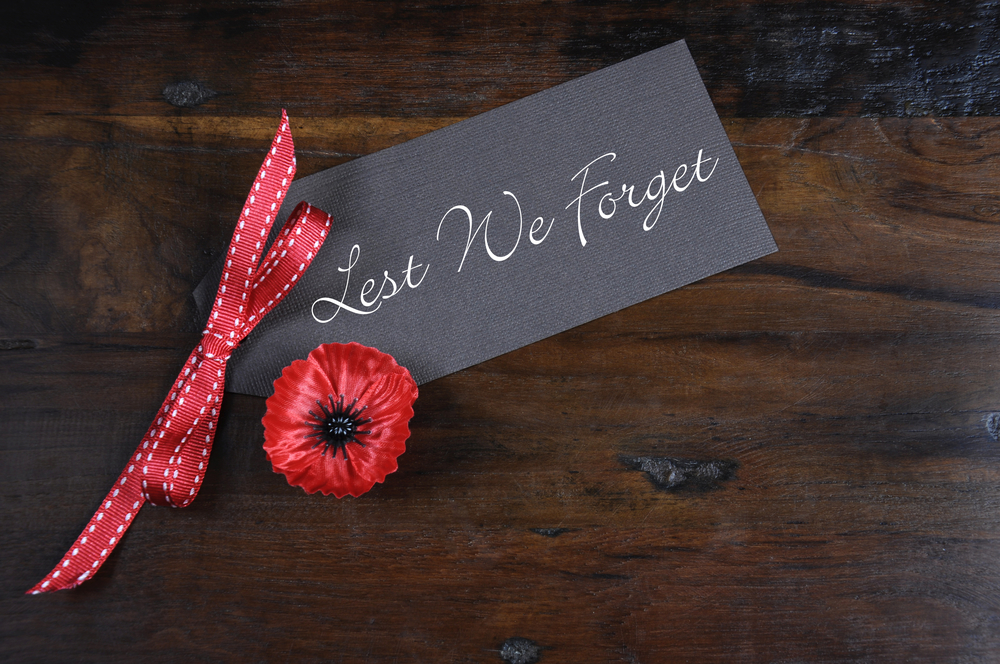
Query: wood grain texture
point(842, 383)
point(851, 57)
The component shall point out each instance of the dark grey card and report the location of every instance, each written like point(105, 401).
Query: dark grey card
point(514, 225)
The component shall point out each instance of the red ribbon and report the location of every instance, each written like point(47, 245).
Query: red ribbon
point(169, 464)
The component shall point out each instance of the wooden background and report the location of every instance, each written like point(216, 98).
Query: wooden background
point(786, 462)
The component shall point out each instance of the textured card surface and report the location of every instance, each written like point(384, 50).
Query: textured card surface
point(517, 224)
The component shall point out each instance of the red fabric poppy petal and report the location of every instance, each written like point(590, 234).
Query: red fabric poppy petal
point(377, 382)
point(295, 394)
point(352, 367)
point(389, 402)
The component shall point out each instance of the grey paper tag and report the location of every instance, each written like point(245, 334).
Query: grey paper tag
point(514, 225)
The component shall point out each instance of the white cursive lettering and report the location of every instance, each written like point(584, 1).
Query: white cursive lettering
point(371, 305)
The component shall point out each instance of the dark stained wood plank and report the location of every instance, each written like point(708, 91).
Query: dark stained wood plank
point(107, 224)
point(622, 601)
point(899, 58)
point(545, 448)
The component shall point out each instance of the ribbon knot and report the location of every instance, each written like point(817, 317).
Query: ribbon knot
point(216, 347)
point(169, 465)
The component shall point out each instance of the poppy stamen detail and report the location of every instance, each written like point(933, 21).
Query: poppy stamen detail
point(338, 425)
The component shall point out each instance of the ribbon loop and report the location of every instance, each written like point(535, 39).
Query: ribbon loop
point(169, 465)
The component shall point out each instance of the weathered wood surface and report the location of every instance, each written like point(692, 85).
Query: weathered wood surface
point(844, 381)
point(888, 57)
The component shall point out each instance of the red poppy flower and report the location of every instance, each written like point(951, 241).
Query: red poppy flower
point(338, 419)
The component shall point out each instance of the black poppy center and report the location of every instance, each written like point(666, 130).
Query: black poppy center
point(338, 425)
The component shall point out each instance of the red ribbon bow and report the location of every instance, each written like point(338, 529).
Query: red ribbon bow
point(169, 464)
